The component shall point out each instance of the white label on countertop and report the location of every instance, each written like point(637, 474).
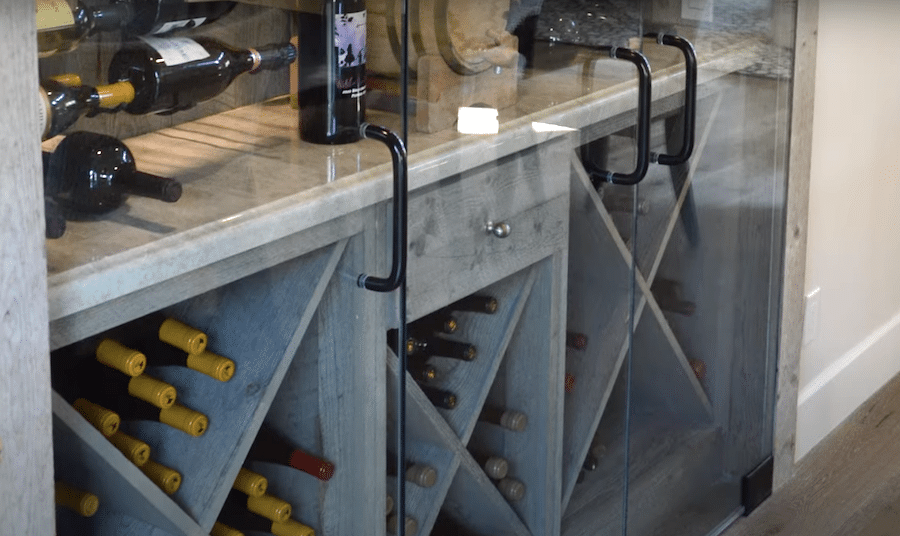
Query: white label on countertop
point(177, 50)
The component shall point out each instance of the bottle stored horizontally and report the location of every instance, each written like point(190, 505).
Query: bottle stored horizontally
point(494, 466)
point(576, 341)
point(173, 74)
point(236, 518)
point(332, 72)
point(166, 478)
point(79, 501)
point(133, 448)
point(159, 326)
point(62, 104)
point(250, 483)
point(177, 416)
point(419, 474)
point(206, 362)
point(95, 173)
point(475, 304)
point(54, 221)
point(431, 345)
point(410, 525)
point(421, 372)
point(60, 28)
point(440, 321)
point(515, 421)
point(440, 397)
point(268, 506)
point(271, 447)
point(511, 488)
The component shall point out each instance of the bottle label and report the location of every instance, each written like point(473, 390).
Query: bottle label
point(177, 50)
point(350, 45)
point(177, 24)
point(54, 15)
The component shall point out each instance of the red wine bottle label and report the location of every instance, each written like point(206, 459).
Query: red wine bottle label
point(176, 24)
point(177, 50)
point(350, 42)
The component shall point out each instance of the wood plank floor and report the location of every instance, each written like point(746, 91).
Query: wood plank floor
point(849, 485)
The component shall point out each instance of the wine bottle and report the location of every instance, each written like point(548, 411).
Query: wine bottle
point(475, 304)
point(445, 526)
point(105, 420)
point(440, 321)
point(120, 357)
point(168, 479)
point(213, 365)
point(428, 346)
point(250, 483)
point(268, 506)
point(62, 28)
point(699, 368)
point(421, 372)
point(174, 74)
point(79, 501)
point(179, 417)
point(159, 326)
point(54, 221)
point(494, 466)
point(668, 296)
point(511, 488)
point(133, 448)
point(505, 418)
point(332, 72)
point(569, 382)
point(221, 529)
point(271, 447)
point(440, 397)
point(237, 516)
point(61, 105)
point(576, 341)
point(388, 505)
point(110, 387)
point(419, 474)
point(410, 525)
point(95, 173)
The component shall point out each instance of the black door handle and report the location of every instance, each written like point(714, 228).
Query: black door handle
point(690, 98)
point(599, 176)
point(399, 160)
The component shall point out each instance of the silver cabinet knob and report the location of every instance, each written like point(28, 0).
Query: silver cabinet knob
point(498, 229)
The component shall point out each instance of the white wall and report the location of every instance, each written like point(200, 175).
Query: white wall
point(852, 339)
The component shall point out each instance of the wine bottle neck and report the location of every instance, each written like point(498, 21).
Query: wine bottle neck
point(152, 186)
point(108, 18)
point(271, 57)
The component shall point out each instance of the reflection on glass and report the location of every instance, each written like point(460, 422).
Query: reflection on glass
point(477, 120)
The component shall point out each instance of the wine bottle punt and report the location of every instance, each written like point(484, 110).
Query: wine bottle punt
point(158, 326)
point(440, 397)
point(213, 365)
point(237, 516)
point(271, 447)
point(419, 474)
point(250, 483)
point(133, 448)
point(494, 466)
point(410, 525)
point(94, 173)
point(515, 421)
point(61, 105)
point(268, 506)
point(79, 501)
point(475, 304)
point(174, 74)
point(331, 87)
point(166, 478)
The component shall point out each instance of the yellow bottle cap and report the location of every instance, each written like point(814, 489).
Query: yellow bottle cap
point(112, 95)
point(67, 79)
point(103, 419)
point(270, 507)
point(81, 502)
point(294, 528)
point(185, 419)
point(153, 391)
point(179, 335)
point(169, 480)
point(220, 529)
point(213, 365)
point(133, 448)
point(120, 357)
point(253, 484)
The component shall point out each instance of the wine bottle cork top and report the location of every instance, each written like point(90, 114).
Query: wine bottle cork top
point(421, 475)
point(81, 502)
point(220, 529)
point(273, 508)
point(514, 420)
point(411, 525)
point(496, 468)
point(491, 305)
point(450, 401)
point(512, 489)
point(185, 419)
point(134, 449)
point(169, 480)
point(451, 325)
point(120, 357)
point(153, 391)
point(253, 484)
point(471, 353)
point(112, 95)
point(101, 418)
point(292, 527)
point(213, 365)
point(180, 335)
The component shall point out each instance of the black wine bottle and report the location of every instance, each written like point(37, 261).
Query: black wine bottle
point(475, 304)
point(421, 372)
point(419, 474)
point(494, 466)
point(206, 362)
point(515, 421)
point(440, 321)
point(54, 221)
point(576, 341)
point(270, 447)
point(268, 506)
point(445, 526)
point(79, 501)
point(234, 519)
point(95, 173)
point(440, 397)
point(62, 104)
point(158, 17)
point(173, 74)
point(430, 345)
point(332, 72)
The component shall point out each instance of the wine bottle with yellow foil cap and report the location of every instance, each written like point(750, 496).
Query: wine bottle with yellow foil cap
point(109, 387)
point(62, 104)
point(99, 416)
point(120, 357)
point(250, 483)
point(161, 327)
point(133, 448)
point(268, 506)
point(270, 447)
point(221, 529)
point(168, 479)
point(179, 417)
point(206, 362)
point(79, 501)
point(236, 517)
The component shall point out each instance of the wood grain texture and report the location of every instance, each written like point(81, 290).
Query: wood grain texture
point(26, 475)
